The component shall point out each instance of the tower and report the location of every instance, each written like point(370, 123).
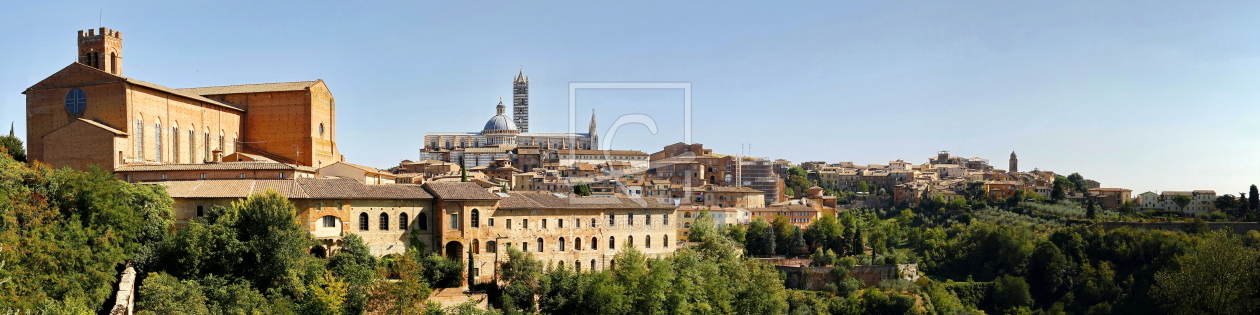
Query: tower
point(594, 132)
point(101, 50)
point(1014, 163)
point(520, 102)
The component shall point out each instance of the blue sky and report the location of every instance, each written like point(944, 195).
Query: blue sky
point(1146, 95)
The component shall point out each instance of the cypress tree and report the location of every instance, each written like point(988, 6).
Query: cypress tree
point(463, 171)
point(1254, 199)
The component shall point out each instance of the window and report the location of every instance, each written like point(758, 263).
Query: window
point(540, 245)
point(200, 211)
point(524, 223)
point(192, 146)
point(562, 244)
point(577, 243)
point(157, 141)
point(203, 175)
point(666, 242)
point(422, 221)
point(647, 242)
point(402, 221)
point(242, 175)
point(666, 218)
point(509, 223)
point(524, 246)
point(687, 225)
point(221, 140)
point(612, 220)
point(140, 138)
point(630, 239)
point(321, 129)
point(363, 221)
point(686, 214)
point(594, 243)
point(612, 242)
point(281, 175)
point(492, 247)
point(454, 219)
point(592, 223)
point(491, 220)
point(206, 145)
point(630, 219)
point(175, 144)
point(577, 265)
point(163, 176)
point(476, 219)
point(476, 247)
point(544, 223)
point(560, 223)
point(330, 221)
point(592, 265)
point(76, 102)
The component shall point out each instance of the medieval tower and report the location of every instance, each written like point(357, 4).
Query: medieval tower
point(1014, 163)
point(520, 102)
point(101, 50)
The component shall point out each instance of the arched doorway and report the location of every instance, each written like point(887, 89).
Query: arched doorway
point(319, 251)
point(455, 250)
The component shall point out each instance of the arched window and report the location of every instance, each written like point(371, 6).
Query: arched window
point(594, 243)
point(139, 137)
point(221, 146)
point(592, 265)
point(192, 145)
point(562, 244)
point(666, 242)
point(476, 247)
point(540, 245)
point(612, 242)
point(206, 145)
point(577, 243)
point(157, 140)
point(647, 241)
point(175, 143)
point(687, 225)
point(577, 265)
point(422, 221)
point(686, 214)
point(384, 222)
point(476, 218)
point(363, 221)
point(402, 221)
point(630, 239)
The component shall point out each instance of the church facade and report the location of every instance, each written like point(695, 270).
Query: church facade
point(501, 134)
point(88, 113)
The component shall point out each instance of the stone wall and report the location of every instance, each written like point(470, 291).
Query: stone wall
point(1237, 227)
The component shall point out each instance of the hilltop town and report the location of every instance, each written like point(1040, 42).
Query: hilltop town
point(470, 197)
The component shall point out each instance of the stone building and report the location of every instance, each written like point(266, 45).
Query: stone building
point(1014, 163)
point(453, 219)
point(88, 113)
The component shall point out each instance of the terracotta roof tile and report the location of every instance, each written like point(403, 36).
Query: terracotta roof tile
point(247, 165)
point(460, 191)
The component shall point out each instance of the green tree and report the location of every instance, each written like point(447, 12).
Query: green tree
point(1182, 201)
point(761, 238)
point(1231, 206)
point(519, 275)
point(1128, 206)
point(703, 225)
point(13, 145)
point(737, 233)
point(823, 257)
point(442, 272)
point(976, 192)
point(1011, 292)
point(1059, 191)
point(824, 233)
point(862, 186)
point(327, 296)
point(582, 189)
point(162, 293)
point(355, 265)
point(275, 243)
point(407, 293)
point(1078, 182)
point(1196, 226)
point(783, 231)
point(1253, 200)
point(1216, 276)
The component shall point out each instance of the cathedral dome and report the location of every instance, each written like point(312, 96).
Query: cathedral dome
point(501, 121)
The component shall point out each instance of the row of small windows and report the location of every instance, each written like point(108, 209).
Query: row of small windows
point(175, 139)
point(562, 245)
point(475, 221)
point(422, 222)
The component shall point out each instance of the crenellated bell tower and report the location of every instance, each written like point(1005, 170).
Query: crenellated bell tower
point(101, 50)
